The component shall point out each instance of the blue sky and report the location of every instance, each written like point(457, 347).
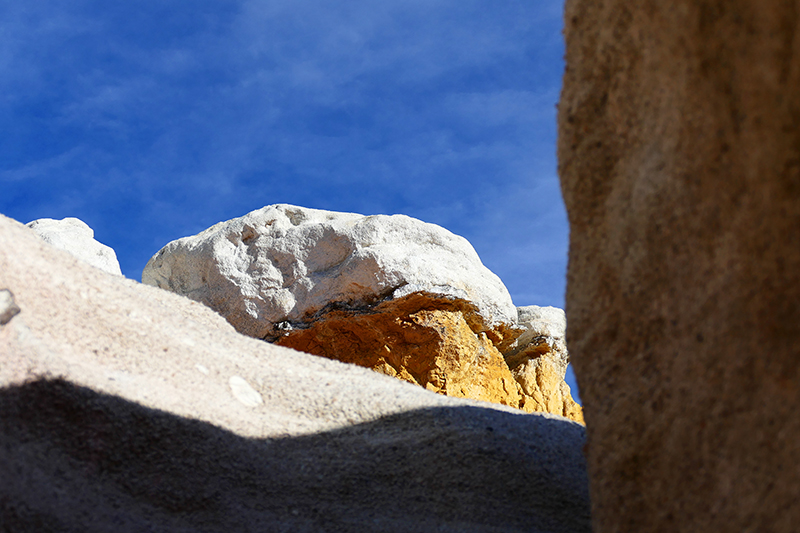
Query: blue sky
point(153, 120)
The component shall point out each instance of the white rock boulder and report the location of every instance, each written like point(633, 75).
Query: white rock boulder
point(276, 267)
point(76, 237)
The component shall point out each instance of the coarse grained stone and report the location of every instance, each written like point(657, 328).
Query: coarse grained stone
point(679, 159)
point(356, 289)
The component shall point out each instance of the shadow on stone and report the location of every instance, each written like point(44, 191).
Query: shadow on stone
point(72, 459)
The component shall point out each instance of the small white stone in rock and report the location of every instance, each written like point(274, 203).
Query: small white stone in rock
point(8, 308)
point(243, 392)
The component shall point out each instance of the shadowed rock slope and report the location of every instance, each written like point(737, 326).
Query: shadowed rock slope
point(128, 408)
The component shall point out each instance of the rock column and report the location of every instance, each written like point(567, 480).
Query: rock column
point(679, 158)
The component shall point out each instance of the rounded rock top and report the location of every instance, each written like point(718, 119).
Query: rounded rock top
point(282, 264)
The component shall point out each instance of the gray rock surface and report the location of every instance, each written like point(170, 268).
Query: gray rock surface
point(281, 264)
point(679, 158)
point(76, 237)
point(128, 408)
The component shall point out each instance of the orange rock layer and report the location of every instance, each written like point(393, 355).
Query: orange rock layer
point(431, 343)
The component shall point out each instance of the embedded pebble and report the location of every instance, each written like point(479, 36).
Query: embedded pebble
point(8, 308)
point(243, 392)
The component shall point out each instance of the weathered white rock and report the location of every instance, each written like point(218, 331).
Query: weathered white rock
point(126, 408)
point(76, 237)
point(538, 360)
point(278, 266)
point(543, 326)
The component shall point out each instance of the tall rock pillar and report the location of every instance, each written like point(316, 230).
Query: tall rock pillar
point(679, 157)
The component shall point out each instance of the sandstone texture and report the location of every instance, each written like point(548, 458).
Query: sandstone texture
point(391, 293)
point(679, 158)
point(538, 361)
point(76, 237)
point(127, 408)
point(417, 338)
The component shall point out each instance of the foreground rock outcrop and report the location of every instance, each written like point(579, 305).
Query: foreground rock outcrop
point(76, 237)
point(127, 408)
point(391, 293)
point(679, 157)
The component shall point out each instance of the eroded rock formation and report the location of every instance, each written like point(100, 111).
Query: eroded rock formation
point(391, 293)
point(679, 157)
point(538, 360)
point(127, 408)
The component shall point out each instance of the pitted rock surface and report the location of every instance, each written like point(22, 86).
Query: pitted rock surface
point(280, 265)
point(418, 338)
point(391, 293)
